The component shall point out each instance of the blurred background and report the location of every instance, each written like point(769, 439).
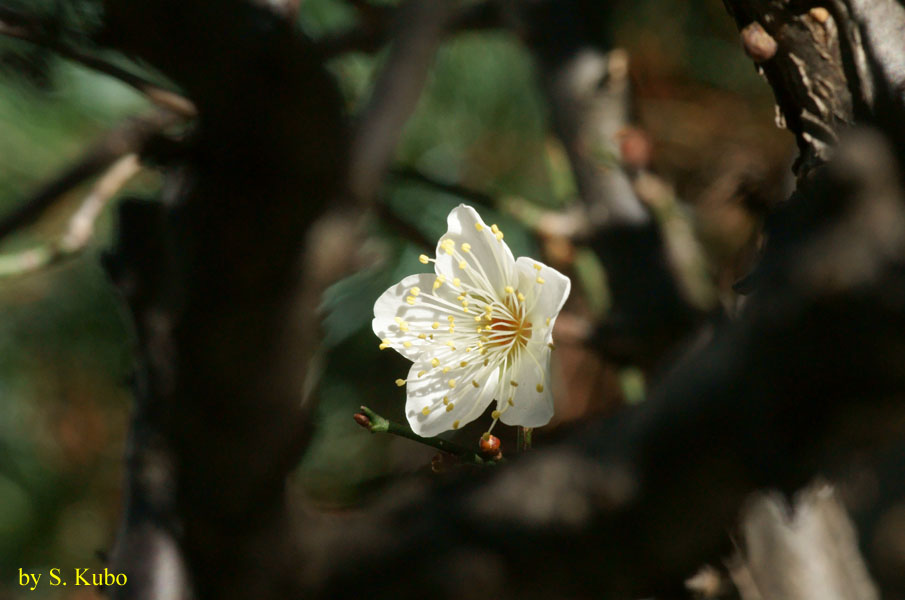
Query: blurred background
point(704, 124)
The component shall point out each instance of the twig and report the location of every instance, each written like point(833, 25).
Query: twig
point(80, 227)
point(124, 139)
point(378, 424)
point(396, 93)
point(17, 26)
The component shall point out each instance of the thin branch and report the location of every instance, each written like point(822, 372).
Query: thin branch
point(396, 93)
point(127, 138)
point(80, 227)
point(378, 424)
point(18, 26)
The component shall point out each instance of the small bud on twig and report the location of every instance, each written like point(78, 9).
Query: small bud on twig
point(759, 44)
point(362, 420)
point(490, 445)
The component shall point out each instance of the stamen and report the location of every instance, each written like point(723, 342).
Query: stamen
point(435, 362)
point(452, 383)
point(475, 383)
point(421, 373)
point(449, 408)
point(384, 344)
point(423, 259)
point(448, 245)
point(455, 425)
point(407, 344)
point(479, 227)
point(540, 280)
point(540, 388)
point(425, 411)
point(400, 382)
point(495, 414)
point(435, 325)
point(466, 247)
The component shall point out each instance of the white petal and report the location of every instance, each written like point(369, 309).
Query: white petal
point(546, 299)
point(490, 265)
point(418, 317)
point(530, 408)
point(429, 390)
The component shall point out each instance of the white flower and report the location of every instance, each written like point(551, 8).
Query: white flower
point(478, 330)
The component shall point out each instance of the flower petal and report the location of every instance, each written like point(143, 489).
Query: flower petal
point(401, 323)
point(546, 290)
point(489, 264)
point(530, 407)
point(432, 391)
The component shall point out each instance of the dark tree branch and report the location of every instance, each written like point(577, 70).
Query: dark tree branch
point(13, 24)
point(130, 137)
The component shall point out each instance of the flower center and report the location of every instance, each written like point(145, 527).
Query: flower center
point(511, 330)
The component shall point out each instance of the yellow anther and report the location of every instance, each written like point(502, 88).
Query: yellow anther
point(460, 297)
point(421, 336)
point(452, 329)
point(400, 382)
point(457, 282)
point(403, 326)
point(478, 319)
point(466, 247)
point(494, 228)
point(425, 411)
point(455, 424)
point(421, 373)
point(479, 227)
point(499, 236)
point(452, 383)
point(435, 325)
point(537, 266)
point(548, 321)
point(552, 346)
point(475, 383)
point(495, 415)
point(464, 363)
point(521, 297)
point(445, 399)
point(540, 280)
point(415, 291)
point(445, 370)
point(407, 344)
point(435, 362)
point(423, 259)
point(451, 345)
point(509, 289)
point(486, 362)
point(449, 407)
point(513, 383)
point(448, 245)
point(510, 402)
point(462, 264)
point(384, 344)
point(410, 300)
point(540, 387)
point(451, 318)
point(483, 351)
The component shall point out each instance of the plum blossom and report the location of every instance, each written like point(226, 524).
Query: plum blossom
point(478, 329)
